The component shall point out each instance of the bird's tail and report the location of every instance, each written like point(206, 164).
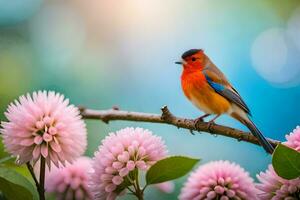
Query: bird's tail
point(256, 132)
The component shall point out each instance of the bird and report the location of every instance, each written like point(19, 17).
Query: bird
point(210, 91)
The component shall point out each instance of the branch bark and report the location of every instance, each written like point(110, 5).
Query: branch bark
point(168, 118)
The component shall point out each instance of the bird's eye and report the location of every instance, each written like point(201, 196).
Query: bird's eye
point(193, 59)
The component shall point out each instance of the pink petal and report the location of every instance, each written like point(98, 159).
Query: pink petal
point(60, 126)
point(52, 130)
point(27, 142)
point(131, 150)
point(124, 157)
point(44, 150)
point(47, 137)
point(106, 177)
point(110, 170)
point(141, 165)
point(211, 194)
point(39, 125)
point(218, 189)
point(123, 172)
point(56, 147)
point(38, 139)
point(48, 120)
point(224, 198)
point(117, 165)
point(130, 165)
point(110, 187)
point(36, 152)
point(230, 193)
point(117, 180)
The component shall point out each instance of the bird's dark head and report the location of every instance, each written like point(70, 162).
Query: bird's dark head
point(192, 59)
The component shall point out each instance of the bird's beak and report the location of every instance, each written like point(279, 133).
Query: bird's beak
point(179, 62)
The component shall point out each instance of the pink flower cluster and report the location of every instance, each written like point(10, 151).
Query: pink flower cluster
point(293, 139)
point(71, 182)
point(44, 124)
point(121, 153)
point(276, 188)
point(272, 186)
point(219, 180)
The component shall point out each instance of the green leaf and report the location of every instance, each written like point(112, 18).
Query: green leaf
point(286, 162)
point(7, 158)
point(170, 168)
point(15, 186)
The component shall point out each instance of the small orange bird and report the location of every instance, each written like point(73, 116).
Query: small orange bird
point(210, 91)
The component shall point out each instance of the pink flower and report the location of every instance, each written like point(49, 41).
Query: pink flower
point(121, 153)
point(44, 124)
point(71, 182)
point(273, 187)
point(293, 139)
point(166, 187)
point(219, 180)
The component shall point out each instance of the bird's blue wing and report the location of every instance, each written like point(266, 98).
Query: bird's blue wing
point(231, 95)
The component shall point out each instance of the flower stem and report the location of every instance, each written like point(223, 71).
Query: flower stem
point(30, 168)
point(42, 178)
point(139, 193)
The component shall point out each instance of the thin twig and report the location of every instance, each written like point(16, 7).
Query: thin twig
point(168, 118)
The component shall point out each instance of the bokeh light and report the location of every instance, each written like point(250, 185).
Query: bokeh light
point(57, 34)
point(294, 27)
point(269, 54)
point(12, 12)
point(275, 53)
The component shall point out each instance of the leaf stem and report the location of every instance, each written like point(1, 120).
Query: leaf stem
point(130, 190)
point(144, 187)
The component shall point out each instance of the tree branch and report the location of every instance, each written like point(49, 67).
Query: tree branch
point(168, 118)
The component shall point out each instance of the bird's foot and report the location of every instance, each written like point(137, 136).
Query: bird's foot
point(211, 122)
point(201, 119)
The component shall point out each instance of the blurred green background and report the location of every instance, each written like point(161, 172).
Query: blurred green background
point(101, 53)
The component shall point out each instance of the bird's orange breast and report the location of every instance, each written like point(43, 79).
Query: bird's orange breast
point(199, 92)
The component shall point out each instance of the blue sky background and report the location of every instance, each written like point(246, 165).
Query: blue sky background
point(105, 53)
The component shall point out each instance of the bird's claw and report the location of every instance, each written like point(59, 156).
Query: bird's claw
point(210, 124)
point(191, 131)
point(201, 119)
point(198, 120)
